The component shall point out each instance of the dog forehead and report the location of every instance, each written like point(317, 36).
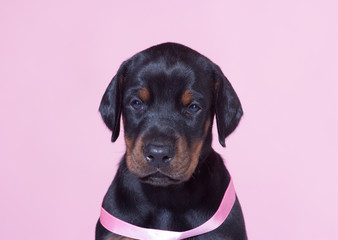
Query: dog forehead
point(160, 74)
point(164, 75)
point(169, 69)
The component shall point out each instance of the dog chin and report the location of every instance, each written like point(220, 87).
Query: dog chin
point(159, 180)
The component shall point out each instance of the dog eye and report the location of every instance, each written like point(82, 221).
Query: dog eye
point(193, 108)
point(136, 104)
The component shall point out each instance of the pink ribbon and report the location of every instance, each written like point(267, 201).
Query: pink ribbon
point(125, 229)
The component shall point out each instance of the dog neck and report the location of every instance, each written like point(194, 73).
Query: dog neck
point(122, 228)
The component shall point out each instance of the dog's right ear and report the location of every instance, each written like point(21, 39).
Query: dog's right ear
point(111, 103)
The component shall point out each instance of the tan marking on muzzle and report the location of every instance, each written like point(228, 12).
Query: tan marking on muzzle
point(187, 159)
point(195, 154)
point(134, 155)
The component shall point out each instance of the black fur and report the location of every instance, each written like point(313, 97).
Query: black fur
point(150, 189)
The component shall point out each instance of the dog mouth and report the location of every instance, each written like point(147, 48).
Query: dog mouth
point(159, 179)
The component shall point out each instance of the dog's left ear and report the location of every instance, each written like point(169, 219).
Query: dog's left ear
point(227, 106)
point(111, 103)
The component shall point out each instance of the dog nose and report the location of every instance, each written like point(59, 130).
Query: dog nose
point(158, 155)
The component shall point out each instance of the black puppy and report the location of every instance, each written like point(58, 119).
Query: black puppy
point(170, 178)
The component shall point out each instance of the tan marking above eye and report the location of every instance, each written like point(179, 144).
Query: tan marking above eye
point(144, 94)
point(186, 97)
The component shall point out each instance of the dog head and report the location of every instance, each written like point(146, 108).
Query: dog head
point(168, 96)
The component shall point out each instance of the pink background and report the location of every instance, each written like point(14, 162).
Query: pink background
point(57, 57)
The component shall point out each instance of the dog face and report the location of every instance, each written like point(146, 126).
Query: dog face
point(168, 95)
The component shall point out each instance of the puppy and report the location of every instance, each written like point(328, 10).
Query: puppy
point(170, 178)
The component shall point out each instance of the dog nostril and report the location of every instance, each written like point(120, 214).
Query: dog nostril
point(166, 159)
point(150, 158)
